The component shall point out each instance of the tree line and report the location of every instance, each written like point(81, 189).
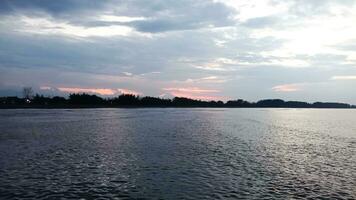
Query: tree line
point(84, 100)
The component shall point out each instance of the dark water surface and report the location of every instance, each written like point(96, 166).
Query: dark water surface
point(178, 154)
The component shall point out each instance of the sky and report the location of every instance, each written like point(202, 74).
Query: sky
point(203, 49)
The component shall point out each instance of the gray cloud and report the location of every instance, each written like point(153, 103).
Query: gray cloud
point(262, 22)
point(51, 7)
point(192, 15)
point(162, 16)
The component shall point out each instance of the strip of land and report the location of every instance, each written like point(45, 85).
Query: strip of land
point(132, 101)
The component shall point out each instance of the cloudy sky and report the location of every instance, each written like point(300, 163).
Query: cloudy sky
point(219, 49)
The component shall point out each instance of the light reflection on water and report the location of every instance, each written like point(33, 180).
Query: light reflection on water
point(178, 153)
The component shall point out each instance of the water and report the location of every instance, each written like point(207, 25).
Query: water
point(178, 154)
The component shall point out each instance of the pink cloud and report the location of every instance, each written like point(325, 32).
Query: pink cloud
point(100, 91)
point(127, 91)
point(190, 90)
point(194, 93)
point(287, 88)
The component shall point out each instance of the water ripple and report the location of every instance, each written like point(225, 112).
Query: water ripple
point(177, 154)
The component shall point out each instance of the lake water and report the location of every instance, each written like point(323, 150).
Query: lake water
point(178, 153)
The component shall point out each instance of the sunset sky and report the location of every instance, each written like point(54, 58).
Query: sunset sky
point(220, 49)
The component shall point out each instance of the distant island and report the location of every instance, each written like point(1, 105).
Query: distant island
point(128, 100)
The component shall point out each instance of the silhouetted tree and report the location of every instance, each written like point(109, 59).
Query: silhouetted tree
point(58, 100)
point(330, 105)
point(239, 103)
point(126, 100)
point(11, 101)
point(271, 103)
point(85, 99)
point(297, 104)
point(185, 102)
point(77, 100)
point(40, 100)
point(216, 103)
point(27, 93)
point(154, 101)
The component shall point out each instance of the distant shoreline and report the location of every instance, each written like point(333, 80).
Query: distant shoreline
point(80, 101)
point(138, 107)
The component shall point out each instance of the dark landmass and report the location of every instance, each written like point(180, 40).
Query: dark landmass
point(129, 100)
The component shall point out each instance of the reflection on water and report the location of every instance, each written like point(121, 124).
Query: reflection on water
point(178, 153)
